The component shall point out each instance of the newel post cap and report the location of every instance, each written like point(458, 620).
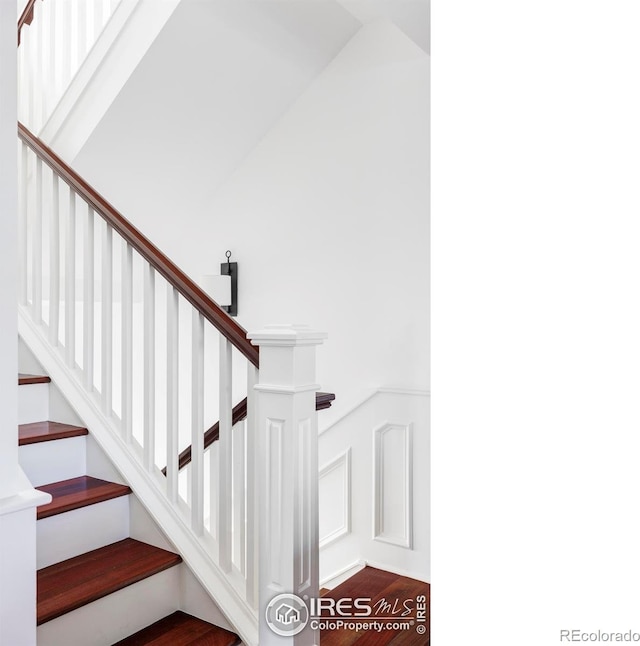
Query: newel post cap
point(286, 334)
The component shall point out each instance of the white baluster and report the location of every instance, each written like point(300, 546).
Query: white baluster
point(39, 77)
point(81, 34)
point(89, 25)
point(88, 333)
point(97, 20)
point(107, 318)
point(54, 261)
point(65, 44)
point(70, 284)
point(40, 18)
point(24, 210)
point(30, 72)
point(149, 366)
point(127, 339)
point(74, 25)
point(224, 448)
point(49, 79)
point(22, 77)
point(238, 435)
point(197, 423)
point(54, 51)
point(36, 248)
point(253, 507)
point(172, 394)
point(214, 461)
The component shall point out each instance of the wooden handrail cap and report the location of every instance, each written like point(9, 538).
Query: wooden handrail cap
point(286, 334)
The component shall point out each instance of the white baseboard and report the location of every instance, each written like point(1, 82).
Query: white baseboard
point(342, 575)
point(396, 570)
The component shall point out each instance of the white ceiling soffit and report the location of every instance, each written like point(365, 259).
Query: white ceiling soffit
point(411, 16)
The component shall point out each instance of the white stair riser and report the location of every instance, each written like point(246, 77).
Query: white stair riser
point(33, 403)
point(75, 532)
point(117, 615)
point(47, 462)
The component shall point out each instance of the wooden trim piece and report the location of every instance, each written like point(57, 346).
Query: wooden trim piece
point(180, 628)
point(79, 492)
point(26, 17)
point(47, 431)
point(73, 583)
point(26, 380)
point(226, 325)
point(324, 400)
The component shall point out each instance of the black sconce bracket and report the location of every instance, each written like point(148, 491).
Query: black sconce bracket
point(231, 269)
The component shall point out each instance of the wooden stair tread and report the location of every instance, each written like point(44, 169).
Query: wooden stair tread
point(24, 379)
point(73, 583)
point(45, 431)
point(180, 629)
point(78, 492)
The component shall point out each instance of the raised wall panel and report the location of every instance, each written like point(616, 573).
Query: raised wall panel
point(275, 460)
point(393, 485)
point(335, 499)
point(305, 501)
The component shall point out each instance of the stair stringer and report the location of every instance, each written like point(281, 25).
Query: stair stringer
point(243, 618)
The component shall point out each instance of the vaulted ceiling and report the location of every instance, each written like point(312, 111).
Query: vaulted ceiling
point(218, 77)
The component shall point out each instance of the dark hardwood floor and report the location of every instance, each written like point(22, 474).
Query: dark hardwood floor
point(391, 596)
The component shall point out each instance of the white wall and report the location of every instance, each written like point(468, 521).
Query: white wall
point(210, 87)
point(328, 216)
point(8, 251)
point(17, 498)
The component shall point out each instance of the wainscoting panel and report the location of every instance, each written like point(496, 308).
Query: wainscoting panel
point(335, 499)
point(375, 486)
point(393, 485)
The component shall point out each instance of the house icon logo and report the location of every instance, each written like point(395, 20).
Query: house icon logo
point(287, 615)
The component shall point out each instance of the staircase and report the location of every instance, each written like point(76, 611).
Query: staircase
point(88, 564)
point(150, 362)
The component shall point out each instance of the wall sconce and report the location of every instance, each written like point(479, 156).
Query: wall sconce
point(224, 288)
point(231, 269)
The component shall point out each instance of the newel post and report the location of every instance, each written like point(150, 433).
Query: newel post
point(287, 439)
